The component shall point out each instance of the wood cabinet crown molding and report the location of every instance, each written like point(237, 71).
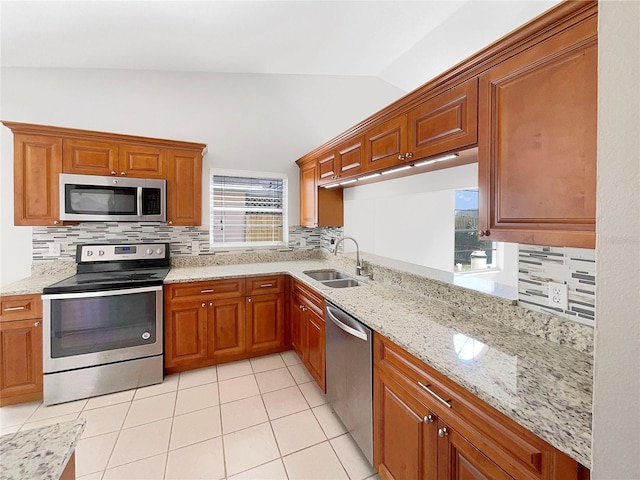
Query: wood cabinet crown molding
point(48, 130)
point(537, 30)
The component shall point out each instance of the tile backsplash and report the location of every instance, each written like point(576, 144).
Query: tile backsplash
point(180, 238)
point(575, 267)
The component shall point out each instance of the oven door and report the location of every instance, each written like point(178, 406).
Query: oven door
point(95, 328)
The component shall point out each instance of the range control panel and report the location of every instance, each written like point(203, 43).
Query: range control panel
point(113, 252)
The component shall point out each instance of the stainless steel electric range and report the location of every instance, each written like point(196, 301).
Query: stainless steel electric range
point(103, 327)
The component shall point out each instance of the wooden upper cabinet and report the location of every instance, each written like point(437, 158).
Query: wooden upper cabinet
point(89, 157)
point(385, 144)
point(537, 142)
point(342, 162)
point(142, 161)
point(309, 194)
point(328, 168)
point(184, 188)
point(37, 166)
point(445, 123)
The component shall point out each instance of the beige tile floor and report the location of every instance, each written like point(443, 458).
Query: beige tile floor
point(263, 418)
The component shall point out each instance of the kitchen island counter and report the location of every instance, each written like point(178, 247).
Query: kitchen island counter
point(544, 386)
point(41, 453)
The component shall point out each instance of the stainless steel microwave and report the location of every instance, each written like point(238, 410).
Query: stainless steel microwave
point(93, 198)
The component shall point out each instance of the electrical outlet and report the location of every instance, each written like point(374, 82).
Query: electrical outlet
point(195, 247)
point(54, 250)
point(558, 295)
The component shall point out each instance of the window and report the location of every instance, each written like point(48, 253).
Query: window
point(248, 209)
point(470, 253)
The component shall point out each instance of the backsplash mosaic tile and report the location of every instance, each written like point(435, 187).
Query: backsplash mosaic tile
point(575, 267)
point(180, 238)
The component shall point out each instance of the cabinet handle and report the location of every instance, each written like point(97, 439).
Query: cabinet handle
point(400, 157)
point(210, 290)
point(443, 432)
point(204, 304)
point(435, 395)
point(428, 419)
point(122, 174)
point(484, 233)
point(265, 285)
point(112, 172)
point(408, 155)
point(13, 309)
point(248, 299)
point(37, 324)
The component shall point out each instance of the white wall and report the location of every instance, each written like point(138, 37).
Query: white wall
point(616, 399)
point(409, 219)
point(253, 122)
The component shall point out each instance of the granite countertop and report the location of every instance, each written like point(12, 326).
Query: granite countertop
point(40, 453)
point(543, 386)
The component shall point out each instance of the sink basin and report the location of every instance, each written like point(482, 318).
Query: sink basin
point(342, 283)
point(322, 275)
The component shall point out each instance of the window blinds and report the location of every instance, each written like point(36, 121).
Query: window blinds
point(247, 210)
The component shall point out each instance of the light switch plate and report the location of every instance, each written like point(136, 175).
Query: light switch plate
point(54, 250)
point(558, 295)
point(195, 247)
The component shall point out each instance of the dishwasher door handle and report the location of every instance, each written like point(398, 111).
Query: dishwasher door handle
point(350, 329)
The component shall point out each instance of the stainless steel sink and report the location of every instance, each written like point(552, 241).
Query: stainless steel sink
point(342, 283)
point(322, 275)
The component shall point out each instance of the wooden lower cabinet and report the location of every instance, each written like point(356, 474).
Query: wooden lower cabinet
point(417, 436)
point(20, 349)
point(212, 322)
point(308, 330)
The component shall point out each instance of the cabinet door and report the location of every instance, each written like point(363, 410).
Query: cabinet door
point(37, 167)
point(350, 155)
point(89, 157)
point(265, 323)
point(315, 348)
point(20, 361)
point(308, 195)
point(298, 321)
point(405, 433)
point(385, 144)
point(226, 329)
point(185, 343)
point(142, 162)
point(445, 123)
point(184, 188)
point(458, 459)
point(537, 143)
point(327, 168)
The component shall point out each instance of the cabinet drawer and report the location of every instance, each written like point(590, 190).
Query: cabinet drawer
point(515, 449)
point(20, 307)
point(207, 290)
point(314, 300)
point(265, 284)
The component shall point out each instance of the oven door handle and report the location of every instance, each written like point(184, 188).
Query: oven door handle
point(102, 293)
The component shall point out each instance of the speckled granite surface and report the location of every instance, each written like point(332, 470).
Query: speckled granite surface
point(544, 386)
point(40, 453)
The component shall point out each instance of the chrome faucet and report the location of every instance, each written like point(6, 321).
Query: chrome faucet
point(359, 266)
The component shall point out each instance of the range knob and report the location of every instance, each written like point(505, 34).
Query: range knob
point(100, 253)
point(159, 251)
point(89, 253)
point(149, 251)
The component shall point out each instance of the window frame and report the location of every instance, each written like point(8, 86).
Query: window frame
point(258, 175)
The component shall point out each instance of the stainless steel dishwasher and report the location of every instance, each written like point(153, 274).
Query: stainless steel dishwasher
point(349, 376)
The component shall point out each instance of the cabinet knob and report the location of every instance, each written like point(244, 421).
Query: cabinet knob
point(408, 155)
point(249, 300)
point(211, 304)
point(442, 432)
point(122, 174)
point(400, 157)
point(37, 324)
point(484, 233)
point(204, 304)
point(56, 222)
point(428, 419)
point(112, 172)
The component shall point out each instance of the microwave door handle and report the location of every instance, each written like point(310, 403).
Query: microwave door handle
point(139, 199)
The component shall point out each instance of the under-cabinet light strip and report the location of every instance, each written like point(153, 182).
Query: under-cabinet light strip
point(332, 186)
point(434, 160)
point(394, 170)
point(367, 177)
